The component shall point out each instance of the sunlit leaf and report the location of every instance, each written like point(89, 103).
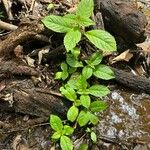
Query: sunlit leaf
point(56, 123)
point(98, 90)
point(72, 113)
point(104, 72)
point(71, 39)
point(66, 143)
point(102, 40)
point(57, 23)
point(85, 8)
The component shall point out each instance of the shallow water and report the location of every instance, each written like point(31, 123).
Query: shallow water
point(128, 116)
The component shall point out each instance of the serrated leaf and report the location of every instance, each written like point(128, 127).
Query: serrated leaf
point(68, 130)
point(72, 61)
point(95, 59)
point(85, 100)
point(69, 93)
point(85, 8)
point(80, 20)
point(56, 123)
point(98, 90)
point(93, 137)
point(93, 119)
point(57, 23)
point(56, 135)
point(58, 75)
point(98, 106)
point(83, 118)
point(71, 39)
point(72, 113)
point(87, 72)
point(102, 40)
point(66, 143)
point(103, 72)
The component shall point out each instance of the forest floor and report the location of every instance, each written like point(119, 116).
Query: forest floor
point(29, 68)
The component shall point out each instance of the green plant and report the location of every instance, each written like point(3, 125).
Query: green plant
point(78, 72)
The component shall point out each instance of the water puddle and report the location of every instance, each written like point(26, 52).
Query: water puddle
point(128, 116)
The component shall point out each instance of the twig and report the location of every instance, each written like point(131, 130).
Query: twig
point(11, 27)
point(7, 26)
point(32, 5)
point(23, 129)
point(48, 91)
point(7, 8)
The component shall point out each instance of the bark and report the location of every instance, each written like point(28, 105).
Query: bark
point(123, 19)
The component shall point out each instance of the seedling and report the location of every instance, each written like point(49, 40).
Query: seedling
point(77, 73)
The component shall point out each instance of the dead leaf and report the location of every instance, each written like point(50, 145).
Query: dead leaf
point(125, 56)
point(18, 144)
point(145, 46)
point(30, 61)
point(40, 54)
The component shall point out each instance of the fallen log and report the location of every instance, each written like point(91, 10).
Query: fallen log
point(24, 98)
point(123, 19)
point(132, 81)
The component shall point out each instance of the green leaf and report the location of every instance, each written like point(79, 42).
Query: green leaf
point(69, 93)
point(72, 70)
point(103, 72)
point(98, 90)
point(77, 81)
point(77, 103)
point(85, 100)
point(85, 8)
point(64, 73)
point(83, 146)
point(93, 119)
point(71, 39)
point(80, 20)
point(68, 130)
point(58, 75)
point(56, 135)
point(56, 123)
point(50, 6)
point(73, 80)
point(72, 61)
point(83, 118)
point(81, 83)
point(98, 106)
point(93, 137)
point(75, 52)
point(57, 23)
point(87, 72)
point(95, 59)
point(66, 143)
point(64, 66)
point(72, 113)
point(84, 21)
point(102, 40)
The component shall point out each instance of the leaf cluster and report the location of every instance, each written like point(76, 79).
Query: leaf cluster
point(85, 98)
